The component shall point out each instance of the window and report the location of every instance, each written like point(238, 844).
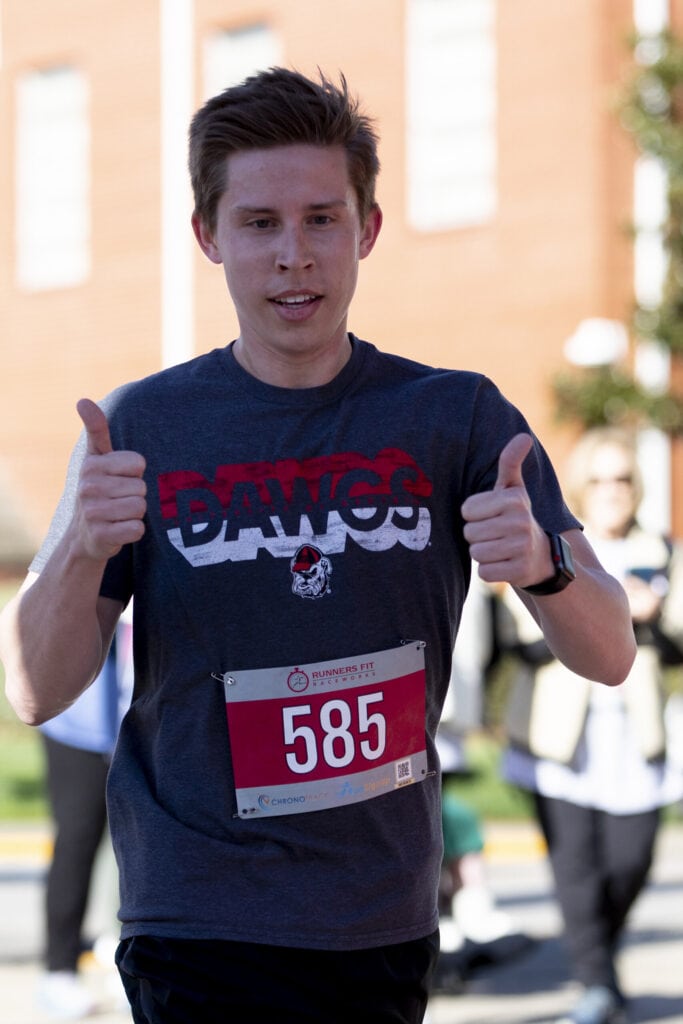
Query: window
point(52, 179)
point(230, 56)
point(451, 113)
point(649, 214)
point(650, 16)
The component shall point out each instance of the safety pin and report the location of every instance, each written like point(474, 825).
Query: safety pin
point(223, 677)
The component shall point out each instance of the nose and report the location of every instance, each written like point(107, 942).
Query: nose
point(294, 252)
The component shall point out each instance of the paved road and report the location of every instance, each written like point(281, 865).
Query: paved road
point(534, 990)
point(537, 990)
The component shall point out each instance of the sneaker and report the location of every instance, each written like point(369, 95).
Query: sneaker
point(450, 936)
point(63, 996)
point(477, 917)
point(104, 949)
point(597, 1005)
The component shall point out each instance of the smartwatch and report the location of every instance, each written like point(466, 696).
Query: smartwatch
point(561, 554)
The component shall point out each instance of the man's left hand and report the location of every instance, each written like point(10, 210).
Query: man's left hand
point(500, 528)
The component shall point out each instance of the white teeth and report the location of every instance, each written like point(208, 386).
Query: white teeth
point(295, 300)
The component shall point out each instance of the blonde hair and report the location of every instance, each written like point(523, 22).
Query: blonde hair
point(577, 472)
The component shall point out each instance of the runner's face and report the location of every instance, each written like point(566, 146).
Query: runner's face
point(289, 236)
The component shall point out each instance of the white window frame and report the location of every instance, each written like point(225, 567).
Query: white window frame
point(232, 54)
point(451, 111)
point(52, 178)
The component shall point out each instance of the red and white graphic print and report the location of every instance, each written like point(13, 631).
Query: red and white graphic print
point(293, 509)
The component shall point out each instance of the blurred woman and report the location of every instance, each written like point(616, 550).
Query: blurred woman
point(593, 756)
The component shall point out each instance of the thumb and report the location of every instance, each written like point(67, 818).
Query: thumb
point(96, 427)
point(510, 462)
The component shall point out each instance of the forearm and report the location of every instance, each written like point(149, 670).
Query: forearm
point(53, 639)
point(588, 625)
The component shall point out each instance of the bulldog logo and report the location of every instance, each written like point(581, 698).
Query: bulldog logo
point(311, 572)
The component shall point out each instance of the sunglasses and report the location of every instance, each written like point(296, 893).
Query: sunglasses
point(626, 480)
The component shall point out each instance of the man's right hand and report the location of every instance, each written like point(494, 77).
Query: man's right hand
point(111, 502)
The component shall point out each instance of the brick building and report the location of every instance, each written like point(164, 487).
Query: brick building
point(507, 187)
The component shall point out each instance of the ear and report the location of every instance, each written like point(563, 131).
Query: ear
point(205, 239)
point(369, 232)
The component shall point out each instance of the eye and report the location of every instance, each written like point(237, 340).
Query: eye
point(321, 219)
point(261, 223)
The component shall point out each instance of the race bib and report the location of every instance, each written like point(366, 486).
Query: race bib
point(326, 734)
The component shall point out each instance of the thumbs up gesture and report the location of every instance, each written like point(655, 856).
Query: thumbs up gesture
point(504, 538)
point(111, 503)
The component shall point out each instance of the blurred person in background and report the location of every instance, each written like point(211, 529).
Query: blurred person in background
point(475, 933)
point(595, 757)
point(78, 745)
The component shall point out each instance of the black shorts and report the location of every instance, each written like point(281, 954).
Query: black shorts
point(193, 981)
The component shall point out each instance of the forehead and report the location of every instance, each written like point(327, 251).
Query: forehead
point(611, 458)
point(298, 173)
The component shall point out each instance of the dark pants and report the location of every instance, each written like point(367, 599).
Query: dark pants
point(76, 782)
point(176, 981)
point(600, 864)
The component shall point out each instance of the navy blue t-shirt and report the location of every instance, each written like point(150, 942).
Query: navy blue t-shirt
point(286, 527)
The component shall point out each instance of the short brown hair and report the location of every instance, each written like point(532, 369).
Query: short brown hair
point(279, 107)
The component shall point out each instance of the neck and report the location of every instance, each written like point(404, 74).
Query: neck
point(307, 370)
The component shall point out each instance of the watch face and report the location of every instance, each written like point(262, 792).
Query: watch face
point(566, 563)
point(561, 554)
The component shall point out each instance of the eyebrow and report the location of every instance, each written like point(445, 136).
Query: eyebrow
point(312, 207)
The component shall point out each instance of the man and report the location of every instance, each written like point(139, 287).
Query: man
point(285, 867)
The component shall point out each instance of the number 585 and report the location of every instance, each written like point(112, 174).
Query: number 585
point(343, 726)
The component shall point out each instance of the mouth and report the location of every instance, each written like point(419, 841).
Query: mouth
point(298, 301)
point(296, 307)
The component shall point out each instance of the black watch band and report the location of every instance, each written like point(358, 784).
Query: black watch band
point(561, 554)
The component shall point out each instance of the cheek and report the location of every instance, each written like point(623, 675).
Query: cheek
point(351, 272)
point(609, 509)
point(237, 283)
point(239, 267)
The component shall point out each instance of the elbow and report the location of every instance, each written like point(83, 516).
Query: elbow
point(33, 719)
point(620, 663)
point(618, 645)
point(27, 711)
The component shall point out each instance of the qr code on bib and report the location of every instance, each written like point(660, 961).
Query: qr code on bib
point(404, 772)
